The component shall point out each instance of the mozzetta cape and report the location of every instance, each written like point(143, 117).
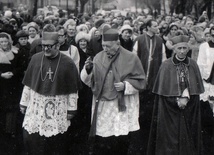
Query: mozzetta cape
point(128, 66)
point(65, 82)
point(167, 83)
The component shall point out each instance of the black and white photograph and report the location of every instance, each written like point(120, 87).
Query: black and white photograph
point(106, 77)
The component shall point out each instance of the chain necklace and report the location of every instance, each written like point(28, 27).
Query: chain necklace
point(49, 73)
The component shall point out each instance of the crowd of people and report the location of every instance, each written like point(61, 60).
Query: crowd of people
point(106, 84)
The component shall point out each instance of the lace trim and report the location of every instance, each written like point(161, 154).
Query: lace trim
point(46, 115)
point(111, 122)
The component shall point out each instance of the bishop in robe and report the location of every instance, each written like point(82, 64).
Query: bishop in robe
point(115, 76)
point(49, 98)
point(176, 122)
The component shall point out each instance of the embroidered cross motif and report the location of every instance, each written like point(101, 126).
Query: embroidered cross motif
point(182, 76)
point(49, 73)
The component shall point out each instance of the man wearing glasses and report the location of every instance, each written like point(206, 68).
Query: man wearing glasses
point(65, 47)
point(49, 99)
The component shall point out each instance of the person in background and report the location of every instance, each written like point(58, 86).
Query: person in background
point(33, 31)
point(82, 120)
point(23, 47)
point(173, 29)
point(150, 49)
point(11, 73)
point(12, 69)
point(95, 43)
point(126, 37)
point(36, 45)
point(205, 63)
point(66, 48)
point(206, 35)
point(70, 27)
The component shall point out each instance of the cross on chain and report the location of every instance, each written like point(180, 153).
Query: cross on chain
point(49, 73)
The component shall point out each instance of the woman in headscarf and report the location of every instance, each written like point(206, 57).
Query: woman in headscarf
point(33, 30)
point(125, 37)
point(172, 32)
point(11, 73)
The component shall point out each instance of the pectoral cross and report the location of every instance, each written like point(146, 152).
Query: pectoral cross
point(49, 73)
point(182, 76)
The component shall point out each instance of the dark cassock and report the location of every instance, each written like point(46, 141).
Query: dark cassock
point(49, 98)
point(176, 122)
point(150, 49)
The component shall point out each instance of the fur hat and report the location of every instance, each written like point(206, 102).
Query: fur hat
point(8, 14)
point(126, 27)
point(34, 25)
point(69, 22)
point(49, 38)
point(173, 24)
point(82, 35)
point(21, 33)
point(81, 26)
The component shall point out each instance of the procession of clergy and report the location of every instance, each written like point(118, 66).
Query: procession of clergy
point(129, 98)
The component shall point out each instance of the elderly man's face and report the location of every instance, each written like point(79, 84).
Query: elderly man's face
point(71, 30)
point(181, 50)
point(110, 47)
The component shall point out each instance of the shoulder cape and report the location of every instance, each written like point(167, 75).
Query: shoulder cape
point(128, 66)
point(66, 80)
point(166, 83)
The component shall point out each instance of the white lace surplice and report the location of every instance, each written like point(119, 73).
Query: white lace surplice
point(205, 62)
point(47, 115)
point(111, 122)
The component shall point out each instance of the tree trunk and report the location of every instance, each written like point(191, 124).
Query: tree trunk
point(35, 7)
point(82, 6)
point(76, 7)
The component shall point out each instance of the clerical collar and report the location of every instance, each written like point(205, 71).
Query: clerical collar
point(150, 35)
point(111, 56)
point(211, 44)
point(176, 60)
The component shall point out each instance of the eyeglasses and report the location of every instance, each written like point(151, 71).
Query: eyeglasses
point(48, 46)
